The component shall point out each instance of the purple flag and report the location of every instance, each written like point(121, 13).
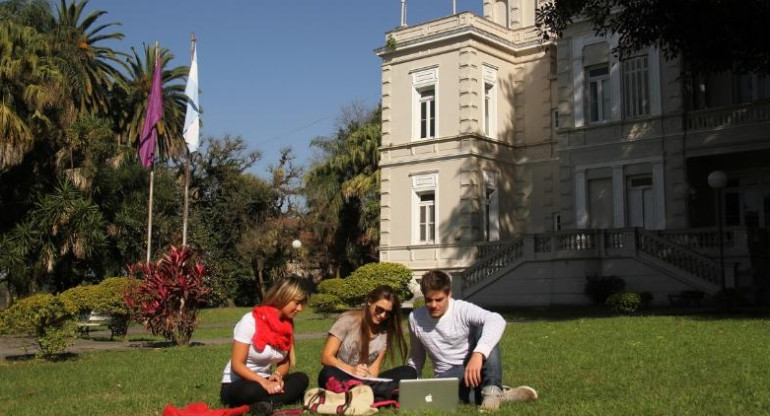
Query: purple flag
point(154, 115)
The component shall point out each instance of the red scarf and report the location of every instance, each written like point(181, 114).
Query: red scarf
point(271, 329)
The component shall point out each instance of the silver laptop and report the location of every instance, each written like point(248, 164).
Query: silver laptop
point(428, 394)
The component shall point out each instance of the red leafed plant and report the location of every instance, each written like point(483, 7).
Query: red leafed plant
point(170, 293)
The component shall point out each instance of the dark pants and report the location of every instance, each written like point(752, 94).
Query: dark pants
point(491, 371)
point(383, 390)
point(242, 392)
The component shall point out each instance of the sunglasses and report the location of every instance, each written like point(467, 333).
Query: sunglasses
point(379, 310)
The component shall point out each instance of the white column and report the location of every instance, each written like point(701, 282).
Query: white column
point(619, 196)
point(615, 87)
point(615, 79)
point(577, 91)
point(581, 211)
point(659, 187)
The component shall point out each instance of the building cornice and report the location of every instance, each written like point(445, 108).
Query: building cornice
point(464, 29)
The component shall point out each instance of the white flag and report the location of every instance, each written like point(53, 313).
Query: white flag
point(192, 119)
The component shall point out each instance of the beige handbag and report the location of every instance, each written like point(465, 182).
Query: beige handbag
point(356, 401)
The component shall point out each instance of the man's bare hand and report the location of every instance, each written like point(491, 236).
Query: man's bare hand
point(473, 370)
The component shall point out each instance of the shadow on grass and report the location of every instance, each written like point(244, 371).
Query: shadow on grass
point(567, 313)
point(155, 344)
point(55, 358)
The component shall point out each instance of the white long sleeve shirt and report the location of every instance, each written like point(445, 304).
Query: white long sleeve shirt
point(446, 339)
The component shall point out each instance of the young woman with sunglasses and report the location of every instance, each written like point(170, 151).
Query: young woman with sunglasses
point(359, 341)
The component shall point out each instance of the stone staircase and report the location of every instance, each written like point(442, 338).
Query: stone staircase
point(678, 255)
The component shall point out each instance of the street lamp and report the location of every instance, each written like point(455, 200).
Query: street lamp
point(296, 245)
point(717, 181)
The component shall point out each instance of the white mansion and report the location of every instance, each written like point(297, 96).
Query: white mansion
point(522, 167)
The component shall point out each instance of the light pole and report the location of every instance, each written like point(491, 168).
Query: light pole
point(296, 245)
point(717, 181)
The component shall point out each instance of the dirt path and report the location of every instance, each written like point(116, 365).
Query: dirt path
point(19, 348)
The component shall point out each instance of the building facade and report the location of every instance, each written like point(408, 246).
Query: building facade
point(522, 167)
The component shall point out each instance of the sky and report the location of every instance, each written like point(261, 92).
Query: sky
point(275, 73)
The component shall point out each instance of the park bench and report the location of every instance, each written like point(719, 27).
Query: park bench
point(93, 319)
point(686, 298)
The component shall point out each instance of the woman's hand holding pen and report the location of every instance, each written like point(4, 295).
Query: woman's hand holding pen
point(362, 370)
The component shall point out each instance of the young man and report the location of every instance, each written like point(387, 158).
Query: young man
point(461, 340)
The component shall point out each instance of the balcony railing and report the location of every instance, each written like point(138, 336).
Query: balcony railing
point(729, 116)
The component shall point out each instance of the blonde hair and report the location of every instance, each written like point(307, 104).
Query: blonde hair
point(285, 291)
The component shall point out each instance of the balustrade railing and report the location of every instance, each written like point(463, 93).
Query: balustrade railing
point(699, 239)
point(678, 256)
point(728, 116)
point(488, 248)
point(674, 248)
point(577, 240)
point(506, 254)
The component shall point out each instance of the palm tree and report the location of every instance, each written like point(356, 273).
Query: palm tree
point(29, 89)
point(135, 92)
point(59, 238)
point(342, 192)
point(90, 68)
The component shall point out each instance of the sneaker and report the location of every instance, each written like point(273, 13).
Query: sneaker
point(492, 397)
point(519, 394)
point(261, 409)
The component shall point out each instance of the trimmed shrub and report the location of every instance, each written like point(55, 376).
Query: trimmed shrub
point(369, 276)
point(332, 286)
point(81, 298)
point(599, 288)
point(326, 303)
point(45, 317)
point(168, 299)
point(624, 302)
point(112, 292)
point(107, 297)
point(418, 303)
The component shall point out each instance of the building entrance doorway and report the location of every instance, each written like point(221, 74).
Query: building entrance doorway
point(641, 202)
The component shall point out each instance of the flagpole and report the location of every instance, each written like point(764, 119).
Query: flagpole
point(152, 183)
point(186, 199)
point(187, 167)
point(149, 215)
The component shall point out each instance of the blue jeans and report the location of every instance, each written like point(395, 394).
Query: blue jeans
point(491, 371)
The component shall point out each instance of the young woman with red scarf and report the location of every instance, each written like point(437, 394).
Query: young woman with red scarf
point(258, 372)
point(359, 341)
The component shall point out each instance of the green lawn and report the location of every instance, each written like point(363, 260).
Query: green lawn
point(661, 365)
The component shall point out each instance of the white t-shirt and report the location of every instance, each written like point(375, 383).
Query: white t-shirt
point(257, 361)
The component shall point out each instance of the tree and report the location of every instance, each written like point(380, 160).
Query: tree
point(90, 68)
point(227, 204)
point(29, 85)
point(343, 193)
point(58, 238)
point(709, 35)
point(268, 244)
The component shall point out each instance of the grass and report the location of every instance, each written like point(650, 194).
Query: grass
point(658, 365)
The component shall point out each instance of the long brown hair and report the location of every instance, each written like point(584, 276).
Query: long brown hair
point(395, 334)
